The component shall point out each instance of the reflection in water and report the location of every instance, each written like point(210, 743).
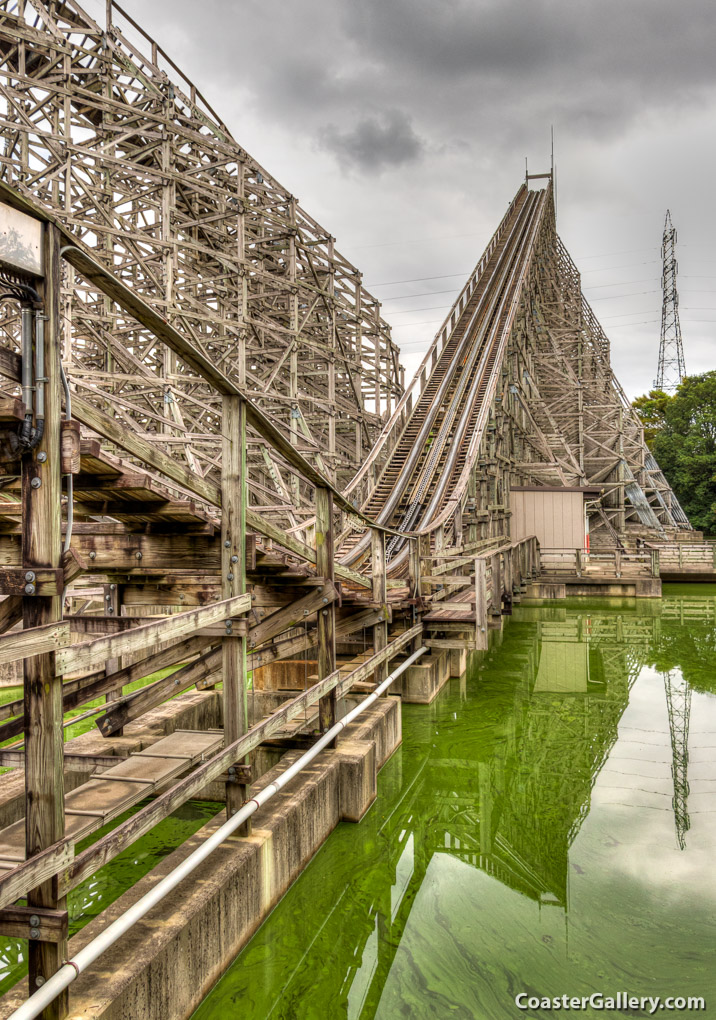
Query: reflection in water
point(523, 837)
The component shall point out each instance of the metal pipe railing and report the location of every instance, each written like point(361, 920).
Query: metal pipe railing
point(71, 969)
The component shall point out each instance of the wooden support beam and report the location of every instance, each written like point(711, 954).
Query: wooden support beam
point(109, 428)
point(125, 710)
point(481, 636)
point(293, 615)
point(79, 692)
point(327, 614)
point(380, 595)
point(17, 581)
point(234, 497)
point(41, 549)
point(495, 585)
point(300, 549)
point(31, 641)
point(34, 923)
point(171, 628)
point(112, 593)
point(10, 612)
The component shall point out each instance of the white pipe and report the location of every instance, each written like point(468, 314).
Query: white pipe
point(71, 969)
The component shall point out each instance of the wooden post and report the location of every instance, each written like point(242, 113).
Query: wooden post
point(495, 586)
point(380, 594)
point(425, 563)
point(481, 639)
point(233, 582)
point(507, 583)
point(113, 607)
point(41, 547)
point(326, 615)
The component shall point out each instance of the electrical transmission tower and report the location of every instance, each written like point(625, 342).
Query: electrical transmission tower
point(671, 351)
point(678, 702)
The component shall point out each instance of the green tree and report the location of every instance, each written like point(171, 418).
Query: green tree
point(651, 408)
point(685, 447)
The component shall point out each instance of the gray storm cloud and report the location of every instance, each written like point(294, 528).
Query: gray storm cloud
point(385, 140)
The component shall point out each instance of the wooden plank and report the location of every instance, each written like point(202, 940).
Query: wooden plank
point(16, 759)
point(35, 871)
point(467, 643)
point(10, 612)
point(40, 640)
point(326, 625)
point(12, 409)
point(47, 581)
point(171, 628)
point(10, 364)
point(34, 923)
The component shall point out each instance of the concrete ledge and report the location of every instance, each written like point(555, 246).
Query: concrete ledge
point(422, 682)
point(165, 966)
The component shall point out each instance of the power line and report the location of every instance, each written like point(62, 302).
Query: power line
point(417, 279)
point(425, 293)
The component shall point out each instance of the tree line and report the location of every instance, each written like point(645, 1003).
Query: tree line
point(680, 430)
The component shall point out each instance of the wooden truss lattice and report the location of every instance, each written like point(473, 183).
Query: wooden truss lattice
point(101, 127)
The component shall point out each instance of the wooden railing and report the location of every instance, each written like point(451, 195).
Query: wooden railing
point(609, 563)
point(686, 557)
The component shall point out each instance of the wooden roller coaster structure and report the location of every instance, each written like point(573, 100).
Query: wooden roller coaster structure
point(208, 460)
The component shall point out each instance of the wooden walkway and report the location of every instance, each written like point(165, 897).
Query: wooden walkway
point(108, 794)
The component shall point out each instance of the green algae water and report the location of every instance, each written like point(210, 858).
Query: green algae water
point(547, 827)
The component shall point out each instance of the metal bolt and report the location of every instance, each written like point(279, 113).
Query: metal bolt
point(112, 587)
point(229, 576)
point(42, 457)
point(138, 555)
point(29, 589)
point(34, 933)
point(93, 555)
point(325, 601)
point(305, 612)
point(232, 770)
point(234, 559)
point(34, 921)
point(36, 483)
point(181, 596)
point(39, 980)
point(30, 575)
point(106, 598)
point(325, 612)
point(110, 610)
point(227, 544)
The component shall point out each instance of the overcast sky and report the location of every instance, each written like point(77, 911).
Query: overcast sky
point(403, 127)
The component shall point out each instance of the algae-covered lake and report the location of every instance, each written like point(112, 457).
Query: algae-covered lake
point(547, 827)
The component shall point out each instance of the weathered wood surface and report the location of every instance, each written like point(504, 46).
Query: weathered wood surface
point(171, 628)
